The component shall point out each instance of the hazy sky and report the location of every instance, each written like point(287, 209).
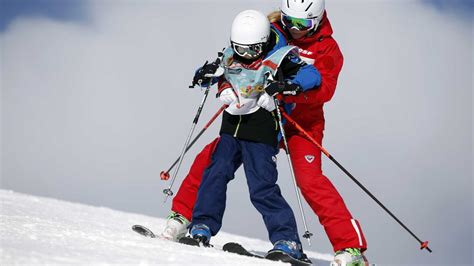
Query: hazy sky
point(95, 104)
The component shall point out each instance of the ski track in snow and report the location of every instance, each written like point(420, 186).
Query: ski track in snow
point(37, 230)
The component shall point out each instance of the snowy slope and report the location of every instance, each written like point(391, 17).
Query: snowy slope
point(36, 230)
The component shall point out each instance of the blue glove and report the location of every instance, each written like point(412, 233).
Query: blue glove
point(200, 75)
point(208, 73)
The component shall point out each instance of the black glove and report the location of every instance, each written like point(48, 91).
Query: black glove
point(282, 87)
point(200, 75)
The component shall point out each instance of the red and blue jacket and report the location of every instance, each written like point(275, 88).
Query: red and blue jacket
point(322, 51)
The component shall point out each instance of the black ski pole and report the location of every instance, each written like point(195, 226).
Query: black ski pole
point(167, 191)
point(164, 175)
point(306, 234)
point(424, 244)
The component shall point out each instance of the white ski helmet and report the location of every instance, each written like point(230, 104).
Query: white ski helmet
point(304, 9)
point(250, 27)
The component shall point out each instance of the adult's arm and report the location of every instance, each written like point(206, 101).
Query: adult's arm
point(329, 63)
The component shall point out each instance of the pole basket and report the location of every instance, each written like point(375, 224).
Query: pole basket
point(164, 175)
point(424, 245)
point(307, 234)
point(168, 192)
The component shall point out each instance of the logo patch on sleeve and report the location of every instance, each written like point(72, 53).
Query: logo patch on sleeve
point(309, 158)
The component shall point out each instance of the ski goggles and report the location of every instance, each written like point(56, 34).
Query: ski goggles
point(300, 24)
point(248, 50)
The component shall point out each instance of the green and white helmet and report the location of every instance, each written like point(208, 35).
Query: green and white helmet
point(302, 14)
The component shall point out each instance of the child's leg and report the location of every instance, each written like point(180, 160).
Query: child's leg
point(260, 168)
point(210, 202)
point(183, 202)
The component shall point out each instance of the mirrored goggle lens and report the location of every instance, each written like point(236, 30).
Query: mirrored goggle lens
point(253, 50)
point(297, 23)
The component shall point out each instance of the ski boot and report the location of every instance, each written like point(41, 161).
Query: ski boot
point(176, 227)
point(290, 248)
point(201, 233)
point(349, 257)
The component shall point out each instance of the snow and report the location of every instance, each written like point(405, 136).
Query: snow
point(37, 230)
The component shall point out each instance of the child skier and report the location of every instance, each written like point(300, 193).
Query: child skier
point(249, 130)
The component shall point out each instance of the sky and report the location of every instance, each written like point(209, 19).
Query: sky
point(95, 103)
point(71, 10)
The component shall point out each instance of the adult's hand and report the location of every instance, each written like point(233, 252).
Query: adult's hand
point(282, 87)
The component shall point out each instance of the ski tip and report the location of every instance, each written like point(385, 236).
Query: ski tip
point(424, 245)
point(230, 245)
point(142, 230)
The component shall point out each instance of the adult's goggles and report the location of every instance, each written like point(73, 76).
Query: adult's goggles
point(301, 24)
point(248, 51)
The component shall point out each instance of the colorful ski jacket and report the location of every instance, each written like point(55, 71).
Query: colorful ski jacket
point(246, 120)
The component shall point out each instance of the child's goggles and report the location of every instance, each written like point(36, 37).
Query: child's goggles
point(300, 24)
point(248, 50)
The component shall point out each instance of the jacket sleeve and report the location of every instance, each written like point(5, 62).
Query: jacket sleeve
point(222, 84)
point(329, 63)
point(307, 77)
point(300, 73)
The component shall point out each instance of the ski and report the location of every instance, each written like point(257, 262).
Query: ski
point(187, 240)
point(278, 255)
point(237, 248)
point(231, 247)
point(142, 230)
point(275, 255)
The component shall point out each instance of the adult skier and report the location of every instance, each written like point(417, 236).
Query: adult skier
point(303, 23)
point(249, 131)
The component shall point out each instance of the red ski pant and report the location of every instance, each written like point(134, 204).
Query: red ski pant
point(342, 230)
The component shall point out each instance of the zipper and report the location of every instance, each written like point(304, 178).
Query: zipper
point(275, 120)
point(238, 125)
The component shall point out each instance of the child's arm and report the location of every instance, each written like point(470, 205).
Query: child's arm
point(222, 84)
point(225, 92)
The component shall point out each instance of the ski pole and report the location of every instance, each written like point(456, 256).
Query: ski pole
point(168, 192)
point(306, 234)
point(424, 244)
point(164, 175)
